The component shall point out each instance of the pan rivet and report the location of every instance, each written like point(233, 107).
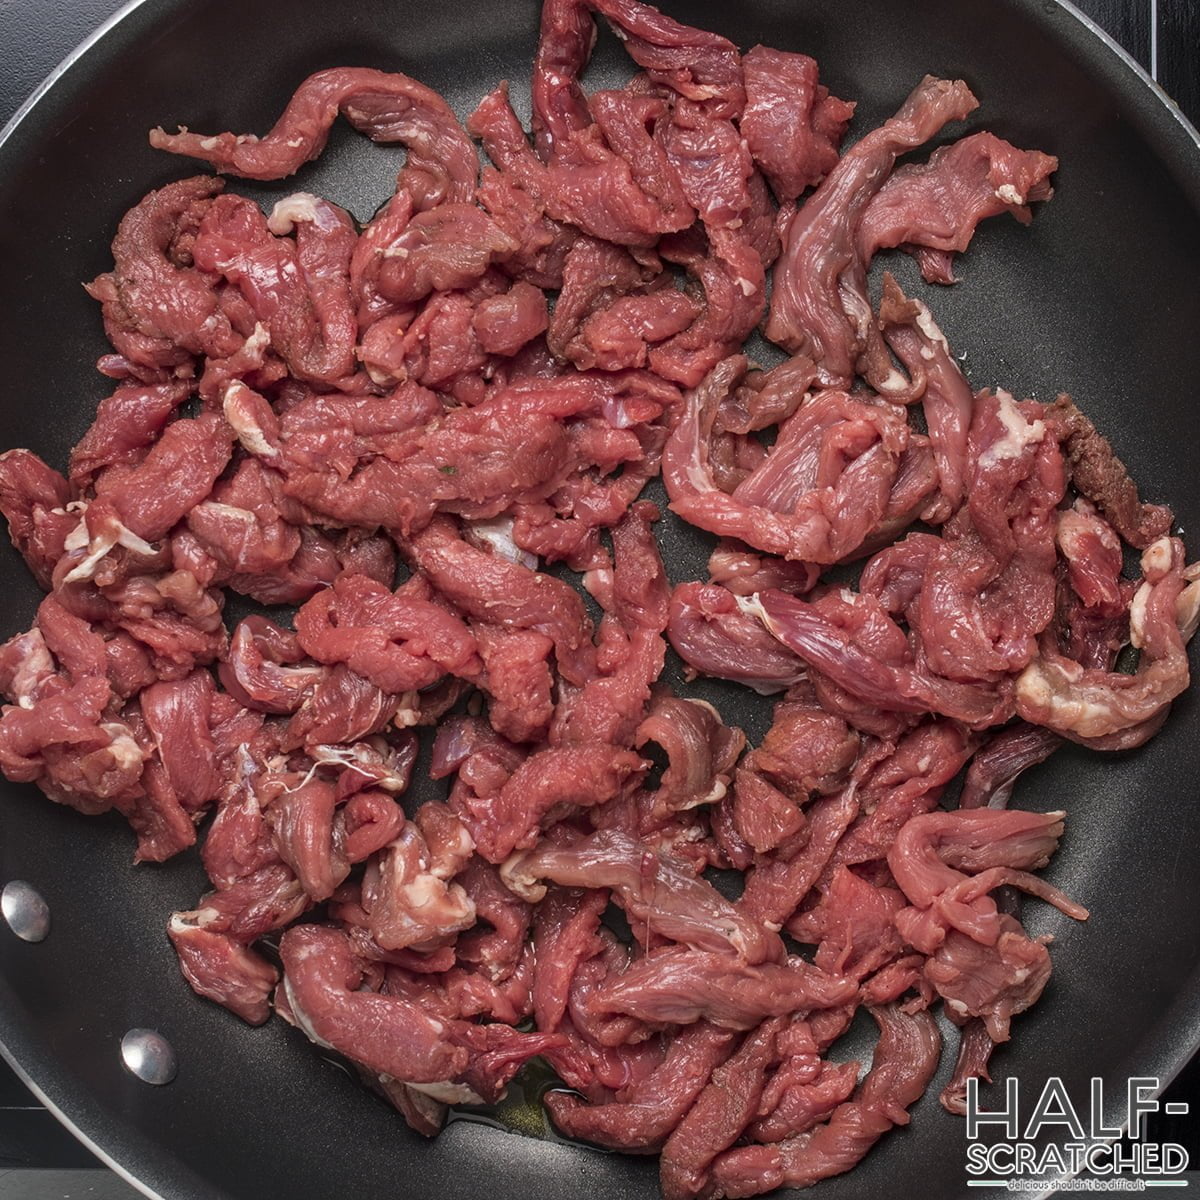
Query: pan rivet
point(149, 1056)
point(27, 914)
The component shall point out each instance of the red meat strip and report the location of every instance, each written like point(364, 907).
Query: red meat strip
point(1110, 710)
point(906, 1057)
point(564, 932)
point(255, 551)
point(618, 337)
point(806, 750)
point(763, 816)
point(518, 680)
point(126, 423)
point(712, 162)
point(820, 491)
point(903, 781)
point(406, 893)
point(933, 854)
point(298, 289)
point(595, 275)
point(257, 904)
point(342, 707)
point(159, 308)
point(803, 1093)
point(178, 718)
point(792, 125)
point(745, 571)
point(635, 597)
point(935, 206)
point(819, 305)
point(995, 769)
point(701, 752)
point(62, 742)
point(730, 269)
point(509, 819)
point(385, 107)
point(987, 589)
point(980, 839)
point(1094, 559)
point(367, 823)
point(499, 944)
point(632, 123)
point(443, 249)
point(974, 1052)
point(398, 642)
point(764, 398)
point(61, 730)
point(694, 63)
point(678, 986)
point(994, 982)
point(584, 183)
point(32, 499)
point(656, 891)
point(473, 461)
point(649, 1108)
point(302, 821)
point(144, 503)
point(384, 1033)
point(697, 64)
point(262, 668)
point(777, 887)
point(946, 398)
point(852, 925)
point(896, 685)
point(506, 322)
point(564, 45)
point(721, 1112)
point(223, 970)
point(239, 841)
point(490, 588)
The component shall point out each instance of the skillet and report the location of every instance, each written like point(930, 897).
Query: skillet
point(1097, 298)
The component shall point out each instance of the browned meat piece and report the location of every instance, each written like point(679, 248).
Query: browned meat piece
point(1101, 476)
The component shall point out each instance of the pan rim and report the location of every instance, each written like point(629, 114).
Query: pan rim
point(68, 1122)
point(1131, 80)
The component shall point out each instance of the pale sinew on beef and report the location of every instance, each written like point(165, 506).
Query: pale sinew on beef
point(302, 404)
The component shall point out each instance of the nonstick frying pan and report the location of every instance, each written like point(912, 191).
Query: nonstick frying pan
point(1098, 298)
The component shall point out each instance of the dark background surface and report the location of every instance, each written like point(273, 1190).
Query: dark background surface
point(38, 1158)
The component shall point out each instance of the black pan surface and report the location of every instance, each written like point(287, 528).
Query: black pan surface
point(1097, 298)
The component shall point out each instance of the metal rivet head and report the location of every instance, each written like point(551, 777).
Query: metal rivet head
point(149, 1056)
point(27, 914)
